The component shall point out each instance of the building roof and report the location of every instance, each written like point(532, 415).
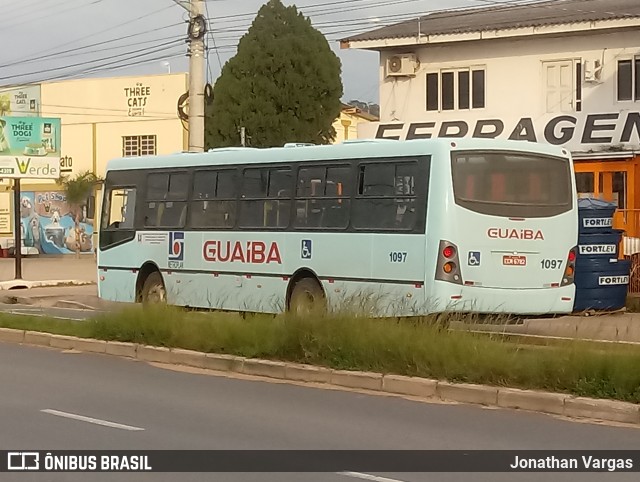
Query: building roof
point(505, 17)
point(357, 111)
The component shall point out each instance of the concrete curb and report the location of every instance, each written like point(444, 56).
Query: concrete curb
point(25, 284)
point(530, 400)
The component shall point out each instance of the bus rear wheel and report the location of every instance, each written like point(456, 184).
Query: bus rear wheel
point(307, 297)
point(153, 290)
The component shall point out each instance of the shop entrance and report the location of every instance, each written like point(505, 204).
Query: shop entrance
point(611, 181)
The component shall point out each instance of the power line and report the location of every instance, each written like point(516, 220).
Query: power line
point(172, 42)
point(57, 12)
point(76, 49)
point(213, 39)
point(100, 68)
point(328, 28)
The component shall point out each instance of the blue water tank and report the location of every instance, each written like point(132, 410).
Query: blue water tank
point(595, 215)
point(602, 284)
point(598, 246)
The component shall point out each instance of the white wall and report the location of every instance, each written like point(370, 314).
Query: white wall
point(516, 87)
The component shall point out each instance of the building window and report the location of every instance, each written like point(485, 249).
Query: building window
point(138, 146)
point(460, 89)
point(629, 79)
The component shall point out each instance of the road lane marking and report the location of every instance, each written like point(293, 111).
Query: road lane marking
point(374, 478)
point(90, 420)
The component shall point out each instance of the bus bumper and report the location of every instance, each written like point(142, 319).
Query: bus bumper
point(448, 297)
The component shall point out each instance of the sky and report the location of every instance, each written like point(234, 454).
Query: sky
point(59, 39)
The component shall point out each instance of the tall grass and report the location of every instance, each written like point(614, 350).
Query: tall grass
point(405, 347)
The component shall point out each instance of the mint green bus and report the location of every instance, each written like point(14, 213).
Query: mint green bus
point(410, 227)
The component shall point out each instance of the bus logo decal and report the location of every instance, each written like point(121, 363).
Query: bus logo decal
point(254, 252)
point(474, 258)
point(511, 233)
point(176, 246)
point(305, 250)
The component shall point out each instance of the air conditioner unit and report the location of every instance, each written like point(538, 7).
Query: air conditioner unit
point(404, 65)
point(592, 71)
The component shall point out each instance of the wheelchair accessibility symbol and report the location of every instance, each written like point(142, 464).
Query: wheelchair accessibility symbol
point(305, 252)
point(474, 258)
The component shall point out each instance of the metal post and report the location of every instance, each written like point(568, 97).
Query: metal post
point(197, 74)
point(17, 228)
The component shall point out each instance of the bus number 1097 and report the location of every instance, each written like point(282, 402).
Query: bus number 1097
point(551, 263)
point(397, 257)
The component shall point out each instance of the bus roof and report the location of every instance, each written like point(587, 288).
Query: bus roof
point(361, 148)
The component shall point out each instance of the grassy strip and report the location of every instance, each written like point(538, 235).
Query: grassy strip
point(414, 348)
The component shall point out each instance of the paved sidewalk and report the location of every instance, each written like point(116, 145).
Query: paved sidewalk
point(621, 327)
point(44, 268)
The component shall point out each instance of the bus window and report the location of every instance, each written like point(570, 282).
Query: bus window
point(470, 186)
point(265, 198)
point(498, 187)
point(377, 180)
point(166, 205)
point(386, 196)
point(120, 209)
point(311, 182)
point(518, 185)
point(322, 197)
point(213, 202)
point(535, 187)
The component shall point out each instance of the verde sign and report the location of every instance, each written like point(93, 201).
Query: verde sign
point(29, 148)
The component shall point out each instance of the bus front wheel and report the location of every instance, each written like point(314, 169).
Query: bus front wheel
point(153, 290)
point(307, 297)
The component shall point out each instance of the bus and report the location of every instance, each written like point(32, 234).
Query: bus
point(405, 228)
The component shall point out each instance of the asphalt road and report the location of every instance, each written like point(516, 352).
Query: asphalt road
point(181, 410)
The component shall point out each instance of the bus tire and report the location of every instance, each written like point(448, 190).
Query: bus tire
point(153, 290)
point(307, 297)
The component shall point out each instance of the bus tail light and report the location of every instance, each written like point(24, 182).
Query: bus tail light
point(448, 265)
point(570, 268)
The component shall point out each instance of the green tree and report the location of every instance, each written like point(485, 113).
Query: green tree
point(77, 191)
point(283, 85)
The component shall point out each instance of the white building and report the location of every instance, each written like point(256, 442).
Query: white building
point(565, 72)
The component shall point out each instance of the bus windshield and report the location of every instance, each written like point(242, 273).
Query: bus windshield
point(512, 184)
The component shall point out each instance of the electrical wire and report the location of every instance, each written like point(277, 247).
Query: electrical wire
point(76, 49)
point(58, 11)
point(213, 39)
point(54, 69)
point(328, 28)
point(110, 66)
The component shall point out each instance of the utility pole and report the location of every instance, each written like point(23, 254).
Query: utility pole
point(197, 64)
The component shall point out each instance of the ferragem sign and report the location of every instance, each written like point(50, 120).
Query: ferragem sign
point(576, 132)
